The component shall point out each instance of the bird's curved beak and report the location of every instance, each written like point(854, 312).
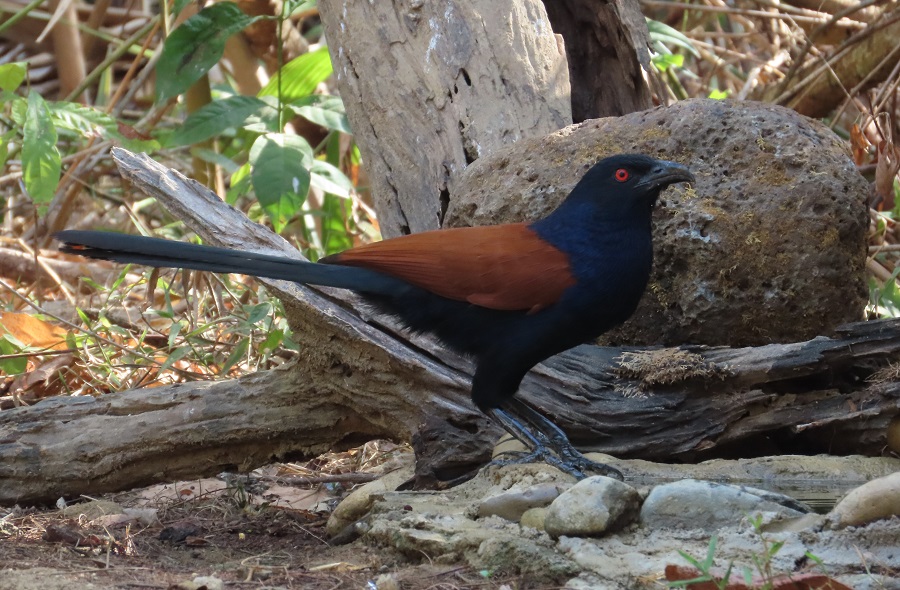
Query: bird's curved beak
point(666, 173)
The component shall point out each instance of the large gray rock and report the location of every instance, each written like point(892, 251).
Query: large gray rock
point(769, 246)
point(696, 504)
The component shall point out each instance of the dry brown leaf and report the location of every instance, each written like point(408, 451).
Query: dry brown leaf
point(46, 380)
point(885, 171)
point(859, 145)
point(295, 498)
point(33, 331)
point(182, 490)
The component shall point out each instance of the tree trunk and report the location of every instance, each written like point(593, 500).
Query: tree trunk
point(607, 50)
point(359, 379)
point(431, 86)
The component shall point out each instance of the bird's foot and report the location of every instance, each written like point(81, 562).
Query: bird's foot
point(539, 455)
point(547, 443)
point(576, 460)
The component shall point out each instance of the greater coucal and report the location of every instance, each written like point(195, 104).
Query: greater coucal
point(508, 295)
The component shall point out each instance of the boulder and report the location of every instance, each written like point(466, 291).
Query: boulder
point(697, 504)
point(768, 246)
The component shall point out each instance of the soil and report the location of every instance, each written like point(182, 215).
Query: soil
point(241, 540)
point(266, 548)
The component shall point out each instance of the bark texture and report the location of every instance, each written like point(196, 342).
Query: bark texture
point(431, 86)
point(607, 46)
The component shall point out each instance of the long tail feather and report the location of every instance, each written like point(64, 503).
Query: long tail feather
point(128, 249)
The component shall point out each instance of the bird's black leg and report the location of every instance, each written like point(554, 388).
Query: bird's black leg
point(544, 429)
point(532, 438)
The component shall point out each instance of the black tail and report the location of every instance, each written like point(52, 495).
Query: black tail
point(127, 249)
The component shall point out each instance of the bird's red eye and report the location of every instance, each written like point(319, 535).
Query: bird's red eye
point(622, 175)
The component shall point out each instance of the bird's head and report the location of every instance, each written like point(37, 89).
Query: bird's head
point(628, 183)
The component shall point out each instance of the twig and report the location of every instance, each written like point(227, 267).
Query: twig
point(41, 261)
point(838, 55)
point(745, 12)
point(816, 33)
point(352, 477)
point(878, 270)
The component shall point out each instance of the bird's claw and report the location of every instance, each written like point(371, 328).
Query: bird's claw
point(576, 466)
point(547, 443)
point(540, 455)
point(586, 465)
point(573, 457)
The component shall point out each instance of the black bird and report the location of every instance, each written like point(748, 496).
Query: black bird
point(508, 295)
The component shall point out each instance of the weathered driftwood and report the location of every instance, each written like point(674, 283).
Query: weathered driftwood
point(359, 377)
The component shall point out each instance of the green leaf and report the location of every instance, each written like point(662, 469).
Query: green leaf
point(237, 353)
point(214, 157)
point(280, 174)
point(335, 237)
point(240, 184)
point(663, 33)
point(163, 313)
point(41, 163)
point(18, 108)
point(72, 341)
point(273, 340)
point(292, 6)
point(747, 574)
point(710, 553)
point(775, 548)
point(664, 61)
point(14, 366)
point(174, 356)
point(179, 6)
point(216, 117)
point(300, 76)
point(12, 75)
point(327, 111)
point(174, 331)
point(719, 94)
point(326, 177)
point(83, 316)
point(4, 146)
point(266, 120)
point(815, 558)
point(195, 47)
point(259, 312)
point(83, 120)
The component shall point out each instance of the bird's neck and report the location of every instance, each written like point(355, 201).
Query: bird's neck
point(602, 250)
point(577, 223)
